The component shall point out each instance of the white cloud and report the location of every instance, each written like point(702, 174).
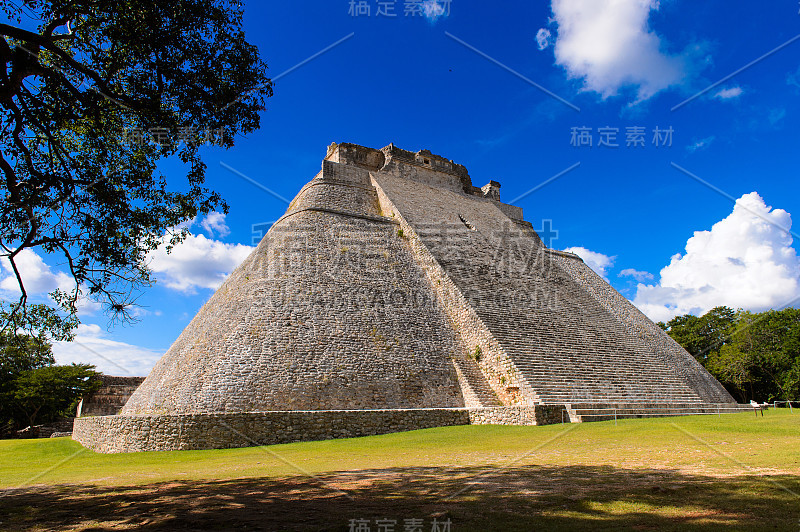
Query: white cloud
point(597, 261)
point(701, 144)
point(108, 356)
point(745, 261)
point(197, 262)
point(39, 280)
point(640, 276)
point(38, 277)
point(214, 223)
point(729, 94)
point(433, 9)
point(543, 38)
point(609, 45)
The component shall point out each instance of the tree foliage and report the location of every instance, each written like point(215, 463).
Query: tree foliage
point(32, 388)
point(47, 393)
point(92, 98)
point(755, 355)
point(25, 351)
point(40, 321)
point(702, 335)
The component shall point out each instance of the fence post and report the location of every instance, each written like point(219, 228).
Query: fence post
point(615, 417)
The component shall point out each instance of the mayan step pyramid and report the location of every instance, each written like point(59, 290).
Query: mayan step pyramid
point(393, 294)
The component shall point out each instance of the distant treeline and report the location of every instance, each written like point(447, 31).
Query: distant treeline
point(756, 356)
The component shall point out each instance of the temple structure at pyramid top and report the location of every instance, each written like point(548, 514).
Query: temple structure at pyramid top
point(394, 294)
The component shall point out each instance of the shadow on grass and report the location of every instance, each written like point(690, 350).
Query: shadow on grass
point(517, 498)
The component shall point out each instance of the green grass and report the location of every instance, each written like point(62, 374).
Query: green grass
point(733, 472)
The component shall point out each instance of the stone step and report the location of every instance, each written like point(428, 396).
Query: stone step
point(476, 390)
point(580, 350)
point(587, 412)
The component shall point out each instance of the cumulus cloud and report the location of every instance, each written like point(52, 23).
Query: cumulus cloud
point(640, 276)
point(543, 38)
point(39, 280)
point(597, 261)
point(701, 144)
point(729, 94)
point(745, 261)
point(108, 356)
point(215, 225)
point(609, 45)
point(37, 276)
point(198, 261)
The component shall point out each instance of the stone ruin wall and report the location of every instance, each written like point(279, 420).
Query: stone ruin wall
point(109, 399)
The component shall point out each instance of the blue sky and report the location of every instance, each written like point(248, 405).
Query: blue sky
point(627, 210)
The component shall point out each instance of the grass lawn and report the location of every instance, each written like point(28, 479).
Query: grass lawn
point(737, 472)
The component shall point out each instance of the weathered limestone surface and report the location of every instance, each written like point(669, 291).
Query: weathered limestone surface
point(112, 434)
point(519, 415)
point(550, 337)
point(330, 311)
point(392, 295)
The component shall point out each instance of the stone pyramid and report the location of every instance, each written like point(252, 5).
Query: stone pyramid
point(394, 294)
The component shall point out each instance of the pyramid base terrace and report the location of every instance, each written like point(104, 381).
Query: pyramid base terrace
point(585, 412)
point(118, 434)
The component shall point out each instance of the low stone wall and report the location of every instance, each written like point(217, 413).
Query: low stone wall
point(109, 434)
point(519, 415)
point(42, 431)
point(114, 434)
